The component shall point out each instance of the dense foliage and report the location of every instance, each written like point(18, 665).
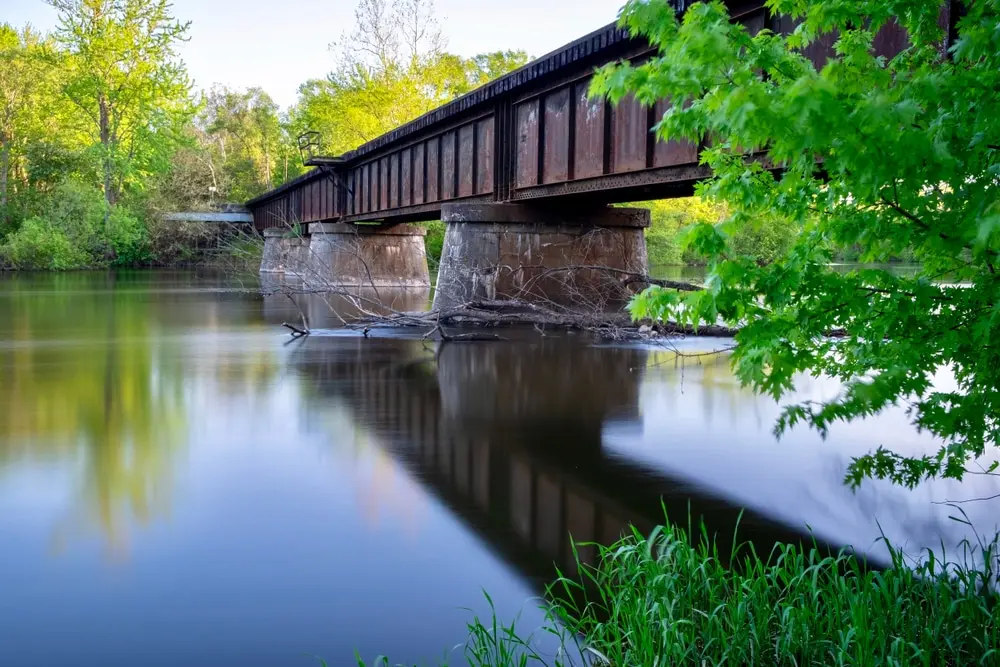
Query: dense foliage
point(886, 155)
point(101, 133)
point(91, 116)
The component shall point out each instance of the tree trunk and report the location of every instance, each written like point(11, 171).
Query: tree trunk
point(110, 188)
point(105, 129)
point(4, 169)
point(267, 167)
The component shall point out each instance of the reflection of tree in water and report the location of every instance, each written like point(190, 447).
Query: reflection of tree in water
point(250, 373)
point(83, 382)
point(709, 376)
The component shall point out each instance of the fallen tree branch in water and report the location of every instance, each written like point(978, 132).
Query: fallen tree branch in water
point(578, 307)
point(296, 331)
point(625, 278)
point(497, 313)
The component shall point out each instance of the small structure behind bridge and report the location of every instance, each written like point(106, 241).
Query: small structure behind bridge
point(228, 214)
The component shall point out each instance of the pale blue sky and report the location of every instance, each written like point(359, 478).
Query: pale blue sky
point(278, 44)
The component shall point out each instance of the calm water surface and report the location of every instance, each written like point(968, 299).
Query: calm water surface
point(179, 484)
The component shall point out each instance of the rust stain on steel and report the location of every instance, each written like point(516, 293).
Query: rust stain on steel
point(527, 144)
point(891, 39)
point(366, 180)
point(358, 185)
point(325, 199)
point(629, 132)
point(419, 170)
point(406, 177)
point(434, 169)
point(556, 131)
point(888, 41)
point(448, 165)
point(383, 184)
point(371, 185)
point(819, 51)
point(331, 188)
point(484, 156)
point(465, 162)
point(589, 144)
point(332, 200)
point(393, 180)
point(754, 19)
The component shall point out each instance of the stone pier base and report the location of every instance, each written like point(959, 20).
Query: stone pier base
point(284, 254)
point(547, 256)
point(345, 255)
point(369, 255)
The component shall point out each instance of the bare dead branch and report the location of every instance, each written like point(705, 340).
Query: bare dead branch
point(296, 332)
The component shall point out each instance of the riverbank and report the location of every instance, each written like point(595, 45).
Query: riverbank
point(184, 246)
point(666, 599)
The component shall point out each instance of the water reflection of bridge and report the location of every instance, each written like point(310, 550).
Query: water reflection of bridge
point(509, 436)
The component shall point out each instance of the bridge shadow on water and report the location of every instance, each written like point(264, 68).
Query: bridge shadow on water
point(510, 437)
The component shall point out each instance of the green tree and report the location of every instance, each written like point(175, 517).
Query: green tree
point(242, 132)
point(124, 77)
point(390, 69)
point(22, 81)
point(886, 154)
point(485, 67)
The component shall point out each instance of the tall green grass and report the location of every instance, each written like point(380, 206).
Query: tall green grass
point(670, 599)
point(665, 599)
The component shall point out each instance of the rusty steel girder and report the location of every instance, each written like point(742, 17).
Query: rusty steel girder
point(533, 134)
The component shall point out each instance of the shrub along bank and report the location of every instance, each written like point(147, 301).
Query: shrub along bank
point(71, 227)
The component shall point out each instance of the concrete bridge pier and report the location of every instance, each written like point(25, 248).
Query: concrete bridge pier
point(343, 254)
point(576, 259)
point(284, 252)
point(337, 254)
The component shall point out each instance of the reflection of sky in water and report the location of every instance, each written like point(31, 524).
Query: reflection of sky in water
point(700, 426)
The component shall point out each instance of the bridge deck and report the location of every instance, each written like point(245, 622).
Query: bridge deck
point(531, 135)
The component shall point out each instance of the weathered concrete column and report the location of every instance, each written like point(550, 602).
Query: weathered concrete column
point(284, 253)
point(541, 255)
point(273, 259)
point(342, 254)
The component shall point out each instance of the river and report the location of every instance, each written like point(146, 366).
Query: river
point(182, 484)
